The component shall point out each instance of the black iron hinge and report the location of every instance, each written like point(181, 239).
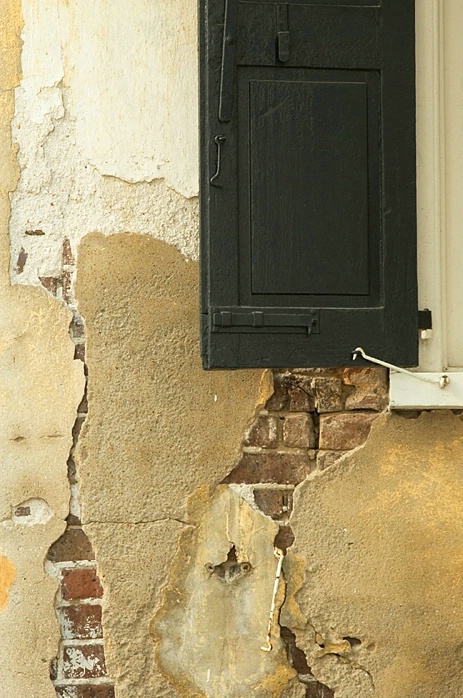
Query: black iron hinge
point(425, 319)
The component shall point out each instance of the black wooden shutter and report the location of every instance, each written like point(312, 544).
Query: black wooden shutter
point(308, 203)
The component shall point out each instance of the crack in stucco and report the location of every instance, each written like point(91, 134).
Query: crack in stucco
point(139, 523)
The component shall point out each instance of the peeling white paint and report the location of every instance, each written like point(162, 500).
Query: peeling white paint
point(98, 128)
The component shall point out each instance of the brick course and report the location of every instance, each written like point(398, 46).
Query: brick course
point(84, 662)
point(77, 584)
point(280, 467)
point(81, 622)
point(344, 431)
point(88, 691)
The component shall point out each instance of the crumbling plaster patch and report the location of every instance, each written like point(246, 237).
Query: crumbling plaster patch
point(106, 125)
point(158, 427)
point(381, 536)
point(40, 387)
point(213, 621)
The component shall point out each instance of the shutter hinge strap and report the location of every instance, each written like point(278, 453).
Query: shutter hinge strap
point(282, 33)
point(442, 381)
point(227, 73)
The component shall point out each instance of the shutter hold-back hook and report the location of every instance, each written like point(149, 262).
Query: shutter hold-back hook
point(219, 141)
point(442, 381)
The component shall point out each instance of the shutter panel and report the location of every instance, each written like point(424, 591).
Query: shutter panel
point(308, 202)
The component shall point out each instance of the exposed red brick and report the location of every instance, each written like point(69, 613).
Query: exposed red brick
point(22, 511)
point(50, 283)
point(81, 622)
point(68, 257)
point(346, 430)
point(298, 431)
point(271, 466)
point(84, 662)
point(284, 538)
point(79, 352)
point(96, 691)
point(22, 259)
point(327, 458)
point(66, 285)
point(279, 399)
point(72, 546)
point(77, 328)
point(80, 584)
point(274, 503)
point(370, 388)
point(318, 690)
point(300, 400)
point(327, 394)
point(264, 432)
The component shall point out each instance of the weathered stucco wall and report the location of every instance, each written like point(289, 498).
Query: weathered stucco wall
point(98, 145)
point(381, 541)
point(40, 387)
point(106, 108)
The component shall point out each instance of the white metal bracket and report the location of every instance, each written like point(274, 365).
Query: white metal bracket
point(442, 381)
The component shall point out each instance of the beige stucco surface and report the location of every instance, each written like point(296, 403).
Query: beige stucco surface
point(215, 613)
point(381, 536)
point(158, 428)
point(40, 387)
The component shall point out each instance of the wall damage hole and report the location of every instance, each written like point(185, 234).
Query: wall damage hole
point(354, 642)
point(32, 512)
point(298, 661)
point(231, 569)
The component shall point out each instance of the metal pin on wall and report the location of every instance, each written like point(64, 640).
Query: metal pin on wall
point(268, 644)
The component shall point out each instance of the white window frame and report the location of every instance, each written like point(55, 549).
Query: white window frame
point(439, 53)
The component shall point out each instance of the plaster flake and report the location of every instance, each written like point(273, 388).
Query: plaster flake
point(98, 131)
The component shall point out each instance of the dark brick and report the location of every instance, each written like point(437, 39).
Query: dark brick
point(51, 283)
point(80, 584)
point(81, 622)
point(68, 257)
point(300, 400)
point(275, 503)
point(271, 466)
point(83, 407)
point(279, 399)
point(78, 424)
point(344, 431)
point(79, 352)
point(284, 538)
point(77, 328)
point(318, 690)
point(22, 259)
point(97, 691)
point(22, 511)
point(327, 394)
point(72, 546)
point(264, 432)
point(298, 431)
point(327, 458)
point(84, 662)
point(72, 472)
point(369, 388)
